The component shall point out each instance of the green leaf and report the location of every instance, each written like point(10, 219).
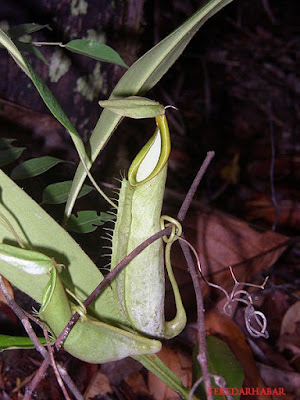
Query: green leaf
point(58, 193)
point(34, 167)
point(5, 143)
point(45, 93)
point(7, 43)
point(154, 364)
point(17, 342)
point(134, 107)
point(35, 227)
point(87, 221)
point(52, 104)
point(31, 49)
point(140, 78)
point(10, 155)
point(221, 362)
point(25, 29)
point(96, 50)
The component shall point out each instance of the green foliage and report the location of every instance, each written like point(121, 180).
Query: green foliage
point(105, 333)
point(139, 79)
point(9, 153)
point(157, 367)
point(24, 29)
point(58, 193)
point(96, 50)
point(134, 107)
point(17, 342)
point(223, 363)
point(31, 49)
point(87, 221)
point(34, 167)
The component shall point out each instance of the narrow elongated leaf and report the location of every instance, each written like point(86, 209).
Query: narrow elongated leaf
point(7, 43)
point(24, 29)
point(96, 50)
point(34, 167)
point(17, 342)
point(140, 78)
point(45, 93)
point(31, 49)
point(52, 104)
point(87, 221)
point(154, 364)
point(134, 107)
point(10, 155)
point(58, 193)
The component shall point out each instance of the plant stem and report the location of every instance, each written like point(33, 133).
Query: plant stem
point(38, 44)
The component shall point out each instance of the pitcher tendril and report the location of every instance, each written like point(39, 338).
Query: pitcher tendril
point(251, 316)
point(176, 228)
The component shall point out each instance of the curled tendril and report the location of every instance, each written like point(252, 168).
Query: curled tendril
point(251, 315)
point(260, 319)
point(176, 228)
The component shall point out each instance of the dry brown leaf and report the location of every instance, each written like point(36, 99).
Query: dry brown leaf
point(220, 325)
point(180, 364)
point(221, 241)
point(117, 371)
point(275, 377)
point(290, 330)
point(137, 383)
point(99, 385)
point(262, 208)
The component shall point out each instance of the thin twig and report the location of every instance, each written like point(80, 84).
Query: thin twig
point(48, 356)
point(53, 364)
point(269, 12)
point(272, 165)
point(24, 320)
point(62, 371)
point(68, 381)
point(189, 197)
point(202, 356)
point(36, 379)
